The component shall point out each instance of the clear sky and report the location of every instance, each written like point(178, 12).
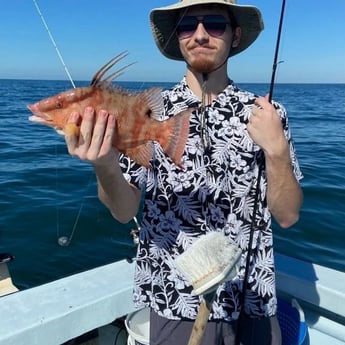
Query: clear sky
point(90, 32)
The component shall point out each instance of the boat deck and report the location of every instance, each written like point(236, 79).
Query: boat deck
point(62, 310)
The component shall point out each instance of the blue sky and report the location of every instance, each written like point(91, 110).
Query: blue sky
point(90, 32)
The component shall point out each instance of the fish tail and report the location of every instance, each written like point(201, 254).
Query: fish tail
point(178, 129)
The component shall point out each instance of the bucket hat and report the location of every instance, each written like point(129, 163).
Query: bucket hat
point(163, 25)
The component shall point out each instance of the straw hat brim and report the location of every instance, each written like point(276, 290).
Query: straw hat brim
point(163, 25)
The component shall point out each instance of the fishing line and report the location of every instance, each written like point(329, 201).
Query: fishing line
point(63, 241)
point(54, 43)
point(57, 213)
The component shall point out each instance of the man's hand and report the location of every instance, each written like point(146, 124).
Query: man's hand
point(93, 142)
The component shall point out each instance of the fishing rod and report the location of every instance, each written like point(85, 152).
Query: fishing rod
point(275, 61)
point(257, 189)
point(54, 43)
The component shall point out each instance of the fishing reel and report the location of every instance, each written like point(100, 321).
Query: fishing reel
point(134, 232)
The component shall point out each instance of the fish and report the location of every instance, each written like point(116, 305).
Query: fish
point(137, 114)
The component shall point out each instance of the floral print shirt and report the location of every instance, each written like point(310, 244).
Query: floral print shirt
point(214, 191)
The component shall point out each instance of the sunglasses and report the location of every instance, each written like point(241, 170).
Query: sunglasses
point(214, 24)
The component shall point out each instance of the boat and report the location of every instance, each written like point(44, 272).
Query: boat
point(95, 306)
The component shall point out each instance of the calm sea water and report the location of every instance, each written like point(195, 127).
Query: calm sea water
point(45, 193)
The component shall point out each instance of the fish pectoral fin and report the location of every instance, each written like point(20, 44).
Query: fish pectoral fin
point(154, 100)
point(141, 154)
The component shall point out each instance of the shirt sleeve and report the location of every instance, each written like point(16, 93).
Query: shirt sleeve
point(134, 173)
point(287, 132)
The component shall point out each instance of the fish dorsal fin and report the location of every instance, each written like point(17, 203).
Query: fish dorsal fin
point(98, 79)
point(116, 74)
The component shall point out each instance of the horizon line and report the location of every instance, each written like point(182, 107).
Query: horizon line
point(174, 82)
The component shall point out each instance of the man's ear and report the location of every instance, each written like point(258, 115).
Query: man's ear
point(236, 37)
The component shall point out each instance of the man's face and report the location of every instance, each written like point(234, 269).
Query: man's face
point(205, 37)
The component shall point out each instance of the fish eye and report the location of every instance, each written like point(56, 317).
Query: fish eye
point(58, 104)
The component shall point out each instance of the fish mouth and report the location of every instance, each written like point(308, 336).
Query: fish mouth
point(39, 116)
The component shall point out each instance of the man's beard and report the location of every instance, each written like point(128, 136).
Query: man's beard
point(203, 65)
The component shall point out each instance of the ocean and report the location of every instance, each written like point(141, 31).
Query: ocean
point(46, 194)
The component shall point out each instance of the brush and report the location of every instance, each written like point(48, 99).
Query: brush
point(209, 261)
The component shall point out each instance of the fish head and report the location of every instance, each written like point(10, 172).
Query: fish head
point(54, 111)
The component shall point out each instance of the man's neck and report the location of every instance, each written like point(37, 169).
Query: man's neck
point(214, 83)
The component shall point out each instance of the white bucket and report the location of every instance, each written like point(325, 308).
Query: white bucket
point(138, 327)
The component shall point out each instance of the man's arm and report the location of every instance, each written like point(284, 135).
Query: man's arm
point(94, 144)
point(284, 194)
point(121, 198)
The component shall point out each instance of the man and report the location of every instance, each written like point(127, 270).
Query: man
point(234, 137)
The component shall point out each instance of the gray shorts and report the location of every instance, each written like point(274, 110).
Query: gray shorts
point(265, 331)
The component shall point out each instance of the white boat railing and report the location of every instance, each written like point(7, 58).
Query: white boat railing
point(321, 293)
point(56, 312)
